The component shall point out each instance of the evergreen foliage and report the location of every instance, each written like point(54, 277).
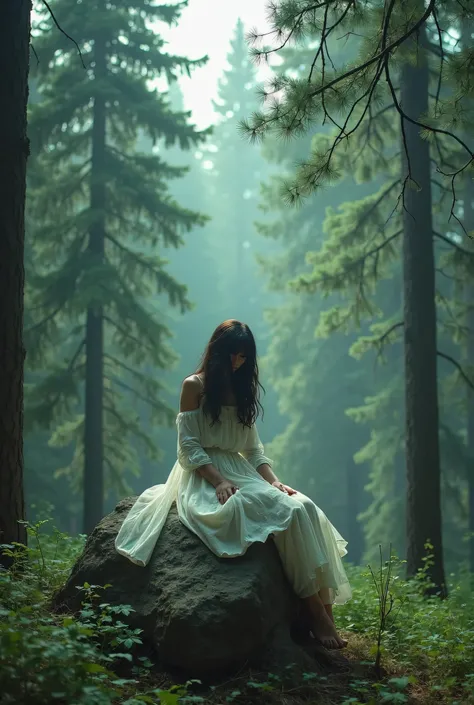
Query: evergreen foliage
point(361, 100)
point(104, 220)
point(95, 657)
point(223, 181)
point(190, 330)
point(314, 376)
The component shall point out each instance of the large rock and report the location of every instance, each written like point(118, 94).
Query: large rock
point(199, 612)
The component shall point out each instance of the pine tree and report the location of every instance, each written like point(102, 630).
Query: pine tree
point(468, 221)
point(314, 378)
point(193, 264)
point(395, 34)
point(14, 63)
point(466, 31)
point(100, 256)
point(420, 337)
point(384, 412)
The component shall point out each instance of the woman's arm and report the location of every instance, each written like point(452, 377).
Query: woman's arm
point(254, 453)
point(265, 470)
point(267, 473)
point(189, 401)
point(190, 394)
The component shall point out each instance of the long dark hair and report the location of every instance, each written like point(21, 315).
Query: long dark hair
point(231, 338)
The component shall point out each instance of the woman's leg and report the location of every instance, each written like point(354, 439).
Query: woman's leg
point(322, 626)
point(298, 549)
point(325, 596)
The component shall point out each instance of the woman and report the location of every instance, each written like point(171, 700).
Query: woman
point(227, 492)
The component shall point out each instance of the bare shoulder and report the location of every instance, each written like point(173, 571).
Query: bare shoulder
point(191, 392)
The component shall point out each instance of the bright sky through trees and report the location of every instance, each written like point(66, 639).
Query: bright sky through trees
point(206, 27)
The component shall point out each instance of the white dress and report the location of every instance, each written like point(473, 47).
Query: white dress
point(309, 546)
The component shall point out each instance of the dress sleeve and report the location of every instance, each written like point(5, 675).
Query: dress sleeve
point(191, 454)
point(254, 452)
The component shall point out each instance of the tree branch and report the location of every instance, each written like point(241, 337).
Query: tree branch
point(126, 334)
point(454, 245)
point(119, 363)
point(360, 261)
point(68, 371)
point(379, 343)
point(457, 366)
point(254, 37)
point(130, 253)
point(294, 115)
point(115, 413)
point(379, 57)
point(441, 271)
point(136, 393)
point(53, 17)
point(45, 320)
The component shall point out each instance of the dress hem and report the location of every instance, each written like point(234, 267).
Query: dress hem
point(341, 543)
point(245, 546)
point(131, 558)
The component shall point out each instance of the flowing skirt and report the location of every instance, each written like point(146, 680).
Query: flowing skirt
point(310, 547)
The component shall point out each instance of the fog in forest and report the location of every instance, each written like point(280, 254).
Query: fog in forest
point(304, 168)
point(197, 229)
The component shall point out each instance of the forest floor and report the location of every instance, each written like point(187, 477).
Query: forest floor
point(358, 684)
point(426, 646)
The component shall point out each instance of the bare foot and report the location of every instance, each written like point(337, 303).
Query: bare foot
point(324, 630)
point(330, 614)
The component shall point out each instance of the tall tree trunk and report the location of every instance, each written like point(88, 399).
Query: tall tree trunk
point(14, 64)
point(400, 492)
point(469, 225)
point(468, 205)
point(94, 385)
point(421, 395)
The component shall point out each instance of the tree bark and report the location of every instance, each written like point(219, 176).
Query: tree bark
point(14, 148)
point(94, 380)
point(469, 225)
point(468, 222)
point(420, 351)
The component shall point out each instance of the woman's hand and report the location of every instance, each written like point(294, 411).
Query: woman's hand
point(283, 488)
point(224, 490)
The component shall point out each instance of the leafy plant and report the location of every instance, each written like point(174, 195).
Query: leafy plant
point(382, 583)
point(74, 660)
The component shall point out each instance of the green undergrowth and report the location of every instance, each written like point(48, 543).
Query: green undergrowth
point(403, 647)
